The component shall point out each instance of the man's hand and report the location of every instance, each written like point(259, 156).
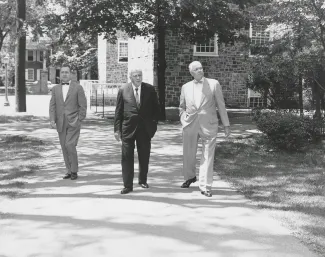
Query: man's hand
point(117, 136)
point(52, 123)
point(227, 131)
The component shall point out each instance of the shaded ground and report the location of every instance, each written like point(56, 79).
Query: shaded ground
point(290, 185)
point(89, 216)
point(20, 156)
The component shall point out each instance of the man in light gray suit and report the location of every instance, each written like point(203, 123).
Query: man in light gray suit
point(198, 102)
point(68, 107)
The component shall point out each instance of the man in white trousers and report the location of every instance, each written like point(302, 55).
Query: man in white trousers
point(198, 102)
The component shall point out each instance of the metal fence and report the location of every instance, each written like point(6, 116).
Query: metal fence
point(101, 97)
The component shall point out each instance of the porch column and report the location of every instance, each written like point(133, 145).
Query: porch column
point(44, 60)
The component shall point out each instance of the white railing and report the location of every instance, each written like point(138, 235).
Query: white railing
point(92, 87)
point(109, 89)
point(253, 94)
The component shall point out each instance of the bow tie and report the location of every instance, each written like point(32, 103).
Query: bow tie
point(65, 83)
point(198, 82)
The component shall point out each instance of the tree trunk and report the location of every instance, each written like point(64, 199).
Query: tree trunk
point(20, 57)
point(78, 74)
point(316, 89)
point(1, 40)
point(301, 104)
point(161, 62)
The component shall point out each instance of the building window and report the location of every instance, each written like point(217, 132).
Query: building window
point(30, 55)
point(208, 49)
point(257, 102)
point(29, 73)
point(123, 49)
point(260, 36)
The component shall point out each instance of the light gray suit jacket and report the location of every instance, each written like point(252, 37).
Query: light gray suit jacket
point(74, 107)
point(205, 114)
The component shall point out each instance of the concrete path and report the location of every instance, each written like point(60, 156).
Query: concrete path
point(90, 218)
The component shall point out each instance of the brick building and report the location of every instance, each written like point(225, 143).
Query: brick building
point(227, 64)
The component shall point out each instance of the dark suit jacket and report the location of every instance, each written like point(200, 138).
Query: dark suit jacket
point(128, 117)
point(74, 107)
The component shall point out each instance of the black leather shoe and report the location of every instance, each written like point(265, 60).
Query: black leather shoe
point(188, 182)
point(207, 193)
point(66, 176)
point(74, 176)
point(144, 185)
point(126, 190)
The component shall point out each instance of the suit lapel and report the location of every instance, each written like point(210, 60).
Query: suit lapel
point(69, 91)
point(131, 94)
point(205, 91)
point(143, 96)
point(60, 95)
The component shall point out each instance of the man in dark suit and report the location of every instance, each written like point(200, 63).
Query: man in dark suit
point(68, 107)
point(136, 118)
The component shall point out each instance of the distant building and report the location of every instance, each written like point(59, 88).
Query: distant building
point(228, 64)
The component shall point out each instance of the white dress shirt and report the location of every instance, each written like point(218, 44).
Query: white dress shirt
point(197, 92)
point(65, 89)
point(139, 92)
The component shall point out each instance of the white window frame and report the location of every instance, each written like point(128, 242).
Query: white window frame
point(251, 35)
point(34, 55)
point(39, 55)
point(214, 53)
point(118, 50)
point(27, 75)
point(38, 74)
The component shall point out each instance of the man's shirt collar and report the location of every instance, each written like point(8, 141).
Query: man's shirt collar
point(198, 82)
point(134, 87)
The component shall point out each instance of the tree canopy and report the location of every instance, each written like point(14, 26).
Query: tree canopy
point(297, 46)
point(194, 21)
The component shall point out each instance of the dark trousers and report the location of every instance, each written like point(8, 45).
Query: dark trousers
point(143, 142)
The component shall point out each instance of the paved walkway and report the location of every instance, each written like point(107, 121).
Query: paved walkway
point(89, 216)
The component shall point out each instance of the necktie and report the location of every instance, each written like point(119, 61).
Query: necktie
point(137, 99)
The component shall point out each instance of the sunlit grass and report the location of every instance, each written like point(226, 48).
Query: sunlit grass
point(20, 157)
point(290, 185)
point(11, 118)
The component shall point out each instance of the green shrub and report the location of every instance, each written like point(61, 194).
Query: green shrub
point(287, 131)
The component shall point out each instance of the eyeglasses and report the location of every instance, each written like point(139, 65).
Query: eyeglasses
point(198, 68)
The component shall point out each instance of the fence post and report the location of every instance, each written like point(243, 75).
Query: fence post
point(96, 100)
point(90, 99)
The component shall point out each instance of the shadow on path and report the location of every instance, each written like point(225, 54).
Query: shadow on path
point(89, 216)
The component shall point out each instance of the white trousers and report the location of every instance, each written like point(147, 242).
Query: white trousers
point(191, 135)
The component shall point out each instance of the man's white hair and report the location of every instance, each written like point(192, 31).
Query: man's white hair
point(193, 64)
point(134, 70)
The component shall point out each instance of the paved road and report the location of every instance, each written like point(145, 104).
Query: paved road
point(89, 216)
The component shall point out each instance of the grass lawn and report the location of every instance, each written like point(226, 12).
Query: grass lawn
point(17, 118)
point(290, 185)
point(20, 156)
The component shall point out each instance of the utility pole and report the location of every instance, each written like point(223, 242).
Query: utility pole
point(20, 82)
